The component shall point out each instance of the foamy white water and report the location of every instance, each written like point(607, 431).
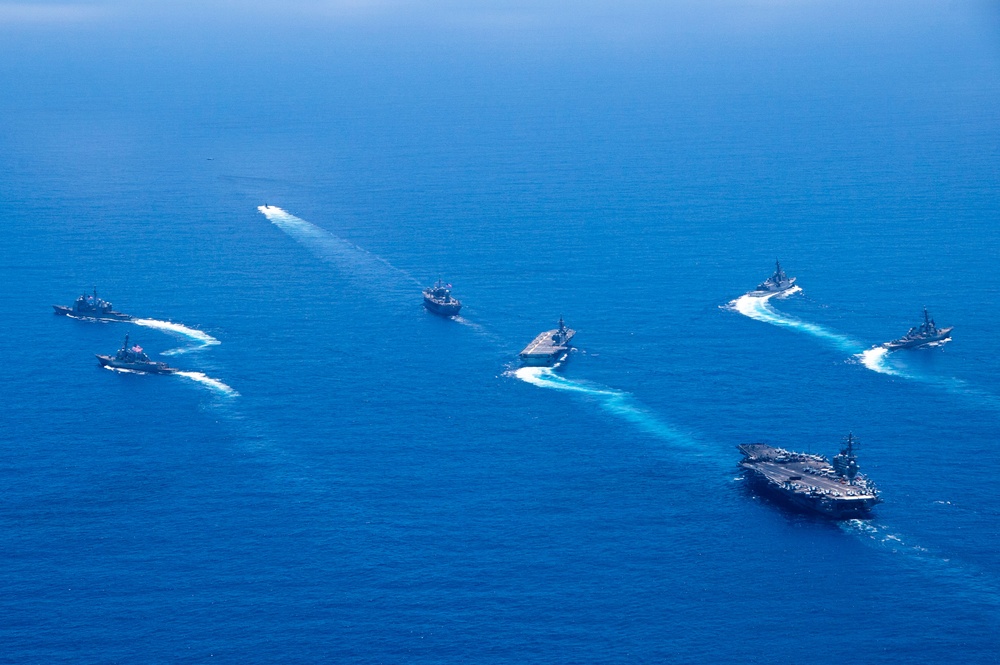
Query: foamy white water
point(617, 402)
point(202, 340)
point(877, 360)
point(208, 381)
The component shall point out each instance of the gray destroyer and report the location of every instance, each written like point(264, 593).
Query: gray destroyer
point(549, 347)
point(922, 335)
point(92, 307)
point(776, 283)
point(133, 358)
point(812, 483)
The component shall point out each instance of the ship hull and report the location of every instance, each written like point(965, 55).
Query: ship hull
point(543, 360)
point(442, 309)
point(62, 310)
point(145, 368)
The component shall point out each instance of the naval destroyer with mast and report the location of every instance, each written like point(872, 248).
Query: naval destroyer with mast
point(923, 335)
point(776, 283)
point(134, 359)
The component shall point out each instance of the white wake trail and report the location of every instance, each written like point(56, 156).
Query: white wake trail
point(208, 381)
point(202, 340)
point(353, 260)
point(759, 308)
point(617, 402)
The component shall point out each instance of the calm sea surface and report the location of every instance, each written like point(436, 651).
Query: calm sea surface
point(339, 476)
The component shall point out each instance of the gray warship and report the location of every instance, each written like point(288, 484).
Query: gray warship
point(926, 333)
point(549, 347)
point(133, 358)
point(438, 299)
point(92, 307)
point(812, 483)
point(776, 283)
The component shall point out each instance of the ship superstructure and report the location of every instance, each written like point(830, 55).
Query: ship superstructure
point(89, 306)
point(926, 333)
point(549, 347)
point(834, 488)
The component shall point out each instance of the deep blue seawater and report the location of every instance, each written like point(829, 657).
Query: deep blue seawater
point(346, 478)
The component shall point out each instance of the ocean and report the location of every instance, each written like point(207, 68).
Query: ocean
point(337, 475)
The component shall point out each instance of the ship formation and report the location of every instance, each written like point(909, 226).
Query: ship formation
point(812, 483)
point(924, 334)
point(134, 359)
point(91, 307)
point(832, 488)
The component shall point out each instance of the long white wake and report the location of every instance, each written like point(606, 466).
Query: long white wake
point(759, 308)
point(201, 340)
point(209, 382)
point(616, 402)
point(353, 260)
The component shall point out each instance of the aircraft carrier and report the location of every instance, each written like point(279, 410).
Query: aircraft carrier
point(549, 347)
point(812, 482)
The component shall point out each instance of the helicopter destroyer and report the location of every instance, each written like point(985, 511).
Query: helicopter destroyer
point(92, 307)
point(926, 333)
point(549, 347)
point(133, 358)
point(438, 299)
point(776, 283)
point(811, 482)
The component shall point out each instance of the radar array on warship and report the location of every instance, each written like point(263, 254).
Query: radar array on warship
point(812, 482)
